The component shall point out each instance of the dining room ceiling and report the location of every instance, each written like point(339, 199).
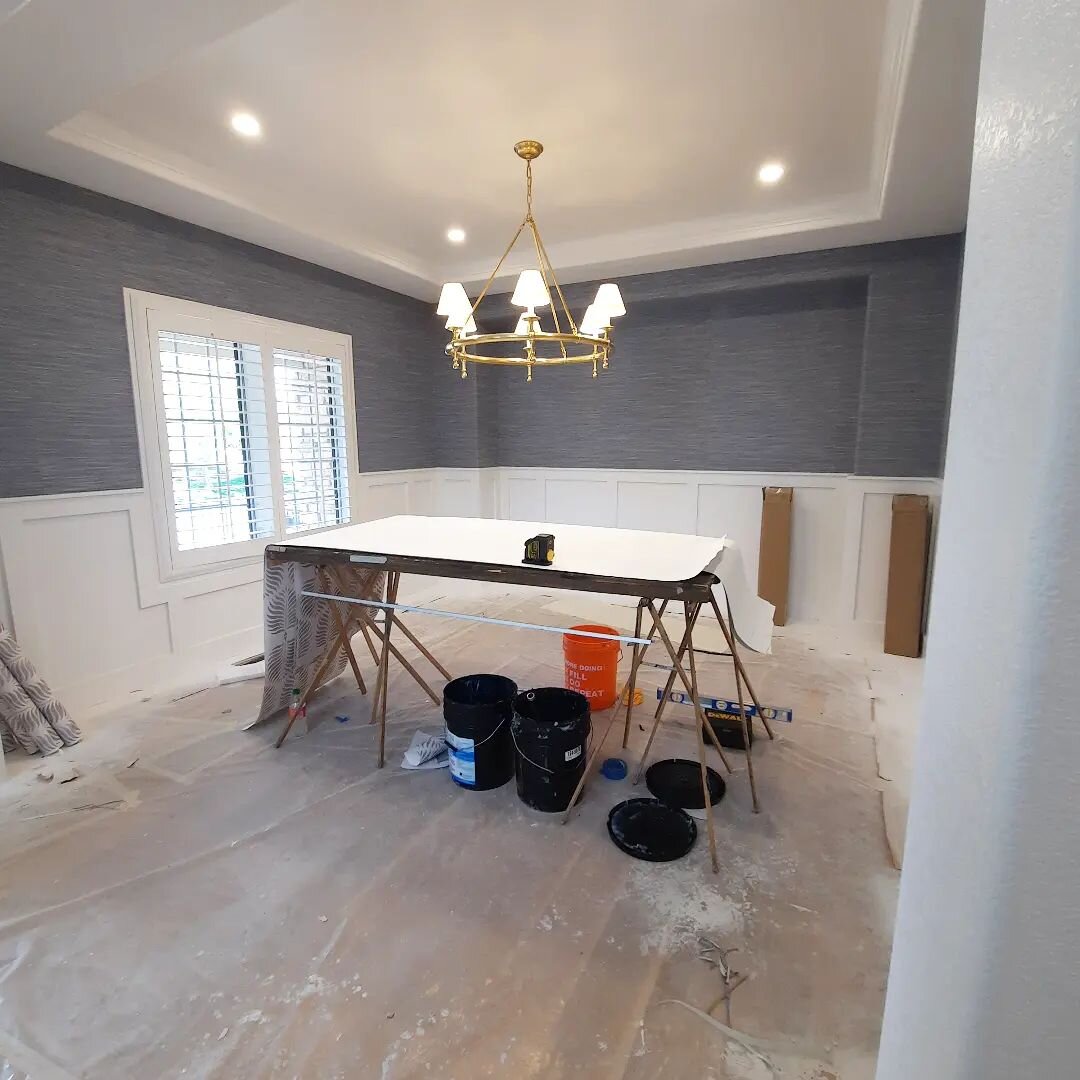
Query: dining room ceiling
point(383, 125)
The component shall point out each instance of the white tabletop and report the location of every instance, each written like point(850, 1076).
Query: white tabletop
point(579, 549)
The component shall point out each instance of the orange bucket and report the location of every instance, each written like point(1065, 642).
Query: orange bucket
point(592, 665)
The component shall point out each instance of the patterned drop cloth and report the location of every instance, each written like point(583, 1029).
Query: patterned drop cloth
point(30, 714)
point(297, 629)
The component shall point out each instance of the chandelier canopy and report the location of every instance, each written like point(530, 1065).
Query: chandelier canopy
point(530, 344)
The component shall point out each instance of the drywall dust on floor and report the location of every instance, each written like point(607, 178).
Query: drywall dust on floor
point(199, 904)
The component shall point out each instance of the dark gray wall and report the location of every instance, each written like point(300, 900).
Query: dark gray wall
point(67, 415)
point(830, 361)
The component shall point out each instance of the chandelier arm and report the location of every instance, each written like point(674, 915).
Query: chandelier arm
point(544, 274)
point(498, 267)
point(558, 287)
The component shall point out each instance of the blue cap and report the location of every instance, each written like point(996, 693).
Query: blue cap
point(614, 768)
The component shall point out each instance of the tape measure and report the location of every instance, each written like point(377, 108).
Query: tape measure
point(540, 550)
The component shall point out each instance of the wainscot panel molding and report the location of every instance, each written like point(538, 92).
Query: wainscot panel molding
point(80, 584)
point(840, 532)
point(79, 579)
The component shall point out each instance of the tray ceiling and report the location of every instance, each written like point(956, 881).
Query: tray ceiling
point(383, 125)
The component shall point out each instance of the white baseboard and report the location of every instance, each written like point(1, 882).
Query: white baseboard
point(80, 584)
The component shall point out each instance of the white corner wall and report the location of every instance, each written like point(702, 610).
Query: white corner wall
point(983, 984)
point(80, 585)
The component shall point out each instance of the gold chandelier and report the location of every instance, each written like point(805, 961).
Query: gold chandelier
point(530, 345)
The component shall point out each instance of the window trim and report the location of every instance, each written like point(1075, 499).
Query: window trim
point(145, 313)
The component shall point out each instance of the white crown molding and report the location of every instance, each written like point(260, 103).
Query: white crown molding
point(898, 46)
point(850, 219)
point(95, 135)
point(581, 259)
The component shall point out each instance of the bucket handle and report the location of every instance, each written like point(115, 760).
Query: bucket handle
point(534, 764)
point(498, 726)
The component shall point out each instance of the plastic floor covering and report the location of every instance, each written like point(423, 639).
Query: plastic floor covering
point(199, 904)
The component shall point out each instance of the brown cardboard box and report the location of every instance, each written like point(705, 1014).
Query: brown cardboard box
point(909, 547)
point(774, 554)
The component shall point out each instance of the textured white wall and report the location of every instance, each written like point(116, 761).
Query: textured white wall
point(987, 947)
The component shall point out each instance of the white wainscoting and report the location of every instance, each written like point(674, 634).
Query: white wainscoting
point(80, 585)
point(840, 527)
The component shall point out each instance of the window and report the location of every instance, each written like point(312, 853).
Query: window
point(311, 433)
point(215, 422)
point(247, 429)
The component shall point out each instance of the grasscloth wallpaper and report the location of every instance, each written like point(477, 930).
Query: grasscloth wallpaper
point(832, 361)
point(67, 413)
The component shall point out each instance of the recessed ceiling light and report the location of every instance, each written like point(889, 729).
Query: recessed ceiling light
point(771, 172)
point(455, 235)
point(243, 123)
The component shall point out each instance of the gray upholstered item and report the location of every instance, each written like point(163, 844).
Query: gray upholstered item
point(31, 716)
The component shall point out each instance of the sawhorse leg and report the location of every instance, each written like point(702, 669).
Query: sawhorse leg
point(690, 683)
point(598, 744)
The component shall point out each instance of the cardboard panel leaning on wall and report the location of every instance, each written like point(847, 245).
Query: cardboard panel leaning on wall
point(774, 560)
point(909, 548)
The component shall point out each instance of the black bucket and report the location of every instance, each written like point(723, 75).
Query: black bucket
point(551, 730)
point(477, 711)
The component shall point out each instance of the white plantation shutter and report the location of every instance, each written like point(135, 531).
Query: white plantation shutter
point(248, 429)
point(215, 423)
point(311, 405)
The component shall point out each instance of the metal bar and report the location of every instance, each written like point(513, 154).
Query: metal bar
point(498, 267)
point(480, 618)
point(558, 289)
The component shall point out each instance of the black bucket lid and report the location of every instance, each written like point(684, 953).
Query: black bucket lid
point(677, 782)
point(651, 830)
